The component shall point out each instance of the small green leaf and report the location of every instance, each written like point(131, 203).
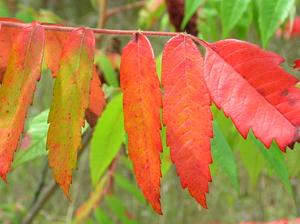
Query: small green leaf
point(252, 159)
point(272, 13)
point(231, 12)
point(190, 8)
point(33, 145)
point(275, 159)
point(119, 209)
point(101, 216)
point(128, 186)
point(3, 10)
point(222, 154)
point(107, 138)
point(293, 160)
point(108, 71)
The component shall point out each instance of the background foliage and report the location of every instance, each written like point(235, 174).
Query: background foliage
point(250, 183)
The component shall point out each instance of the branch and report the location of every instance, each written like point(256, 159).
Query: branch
point(124, 8)
point(99, 31)
point(48, 192)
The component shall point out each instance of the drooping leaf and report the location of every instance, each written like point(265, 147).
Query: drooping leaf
point(33, 145)
point(272, 12)
point(190, 8)
point(86, 209)
point(252, 159)
point(276, 161)
point(119, 209)
point(247, 83)
point(187, 115)
point(222, 154)
point(7, 38)
point(107, 138)
point(232, 11)
point(22, 73)
point(71, 99)
point(141, 102)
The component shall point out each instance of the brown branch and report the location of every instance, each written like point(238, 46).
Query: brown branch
point(124, 8)
point(100, 31)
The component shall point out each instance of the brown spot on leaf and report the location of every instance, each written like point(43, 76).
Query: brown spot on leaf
point(285, 92)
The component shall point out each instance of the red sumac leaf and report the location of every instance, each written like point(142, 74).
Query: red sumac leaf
point(141, 101)
point(187, 115)
point(22, 73)
point(297, 64)
point(247, 83)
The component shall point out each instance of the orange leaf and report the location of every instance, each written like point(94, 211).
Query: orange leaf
point(23, 70)
point(71, 98)
point(187, 115)
point(141, 101)
point(7, 38)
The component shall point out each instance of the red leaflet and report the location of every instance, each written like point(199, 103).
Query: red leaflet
point(247, 83)
point(297, 64)
point(141, 101)
point(7, 38)
point(71, 99)
point(23, 70)
point(187, 115)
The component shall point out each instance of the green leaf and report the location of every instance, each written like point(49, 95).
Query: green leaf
point(252, 159)
point(119, 209)
point(128, 186)
point(222, 154)
point(244, 23)
point(3, 10)
point(107, 138)
point(275, 159)
point(190, 8)
point(101, 216)
point(293, 160)
point(272, 13)
point(207, 23)
point(108, 71)
point(231, 12)
point(33, 145)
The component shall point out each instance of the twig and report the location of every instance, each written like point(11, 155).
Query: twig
point(48, 192)
point(101, 19)
point(41, 183)
point(124, 8)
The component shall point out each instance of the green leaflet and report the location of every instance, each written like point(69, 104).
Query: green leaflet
point(190, 9)
point(107, 138)
point(222, 154)
point(119, 209)
point(3, 10)
point(252, 159)
point(128, 186)
point(231, 12)
point(275, 159)
point(108, 71)
point(34, 143)
point(244, 23)
point(101, 216)
point(293, 160)
point(272, 13)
